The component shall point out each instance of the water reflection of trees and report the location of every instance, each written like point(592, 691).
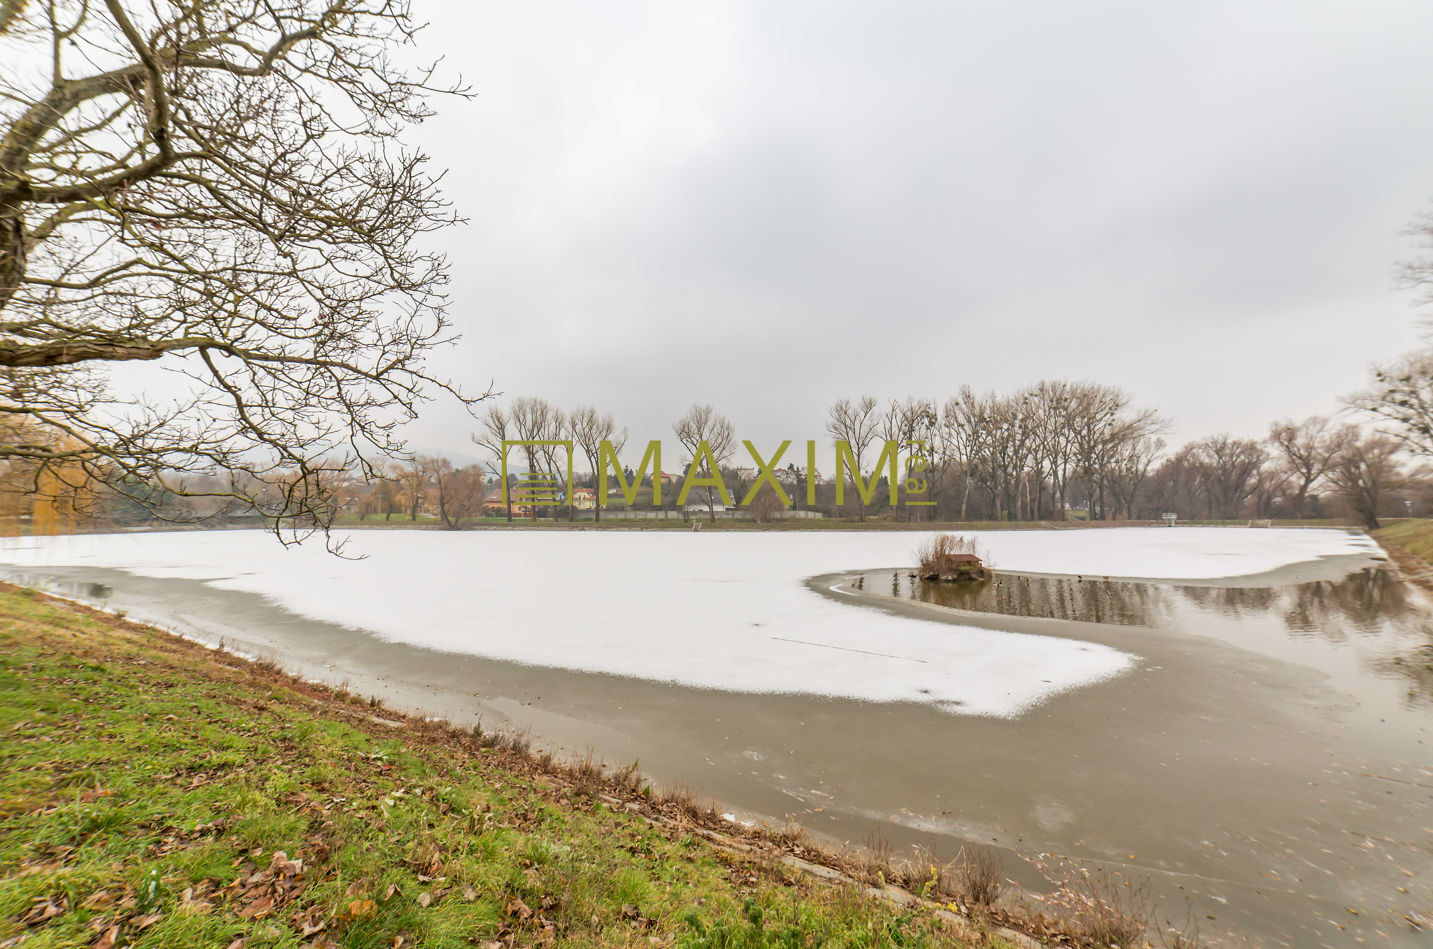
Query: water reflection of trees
point(1233, 602)
point(1364, 602)
point(1361, 606)
point(1090, 601)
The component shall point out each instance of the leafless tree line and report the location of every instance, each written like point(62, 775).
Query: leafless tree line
point(1014, 456)
point(1317, 467)
point(1058, 450)
point(1054, 450)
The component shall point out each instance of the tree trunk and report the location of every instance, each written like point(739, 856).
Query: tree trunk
point(1300, 499)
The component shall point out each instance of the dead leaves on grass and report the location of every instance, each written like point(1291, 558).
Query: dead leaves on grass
point(44, 909)
point(262, 891)
point(358, 909)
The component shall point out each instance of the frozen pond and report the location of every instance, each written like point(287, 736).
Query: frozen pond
point(721, 610)
point(1248, 733)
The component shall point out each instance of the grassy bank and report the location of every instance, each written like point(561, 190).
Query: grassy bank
point(155, 794)
point(1414, 535)
point(1409, 543)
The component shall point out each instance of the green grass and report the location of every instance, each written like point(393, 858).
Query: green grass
point(1413, 534)
point(190, 801)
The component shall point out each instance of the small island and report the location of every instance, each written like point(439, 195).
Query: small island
point(950, 557)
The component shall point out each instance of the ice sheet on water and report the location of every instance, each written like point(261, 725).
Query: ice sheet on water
point(711, 610)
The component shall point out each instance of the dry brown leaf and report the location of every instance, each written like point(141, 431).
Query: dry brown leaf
point(388, 894)
point(517, 907)
point(110, 937)
point(359, 909)
point(311, 922)
point(257, 908)
point(469, 893)
point(45, 908)
point(424, 899)
point(282, 865)
point(144, 922)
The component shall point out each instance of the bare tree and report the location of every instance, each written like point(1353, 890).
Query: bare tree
point(1274, 486)
point(906, 422)
point(556, 459)
point(532, 421)
point(387, 493)
point(963, 438)
point(765, 506)
point(1229, 468)
point(1054, 436)
point(589, 430)
point(1103, 420)
point(495, 432)
point(1417, 273)
point(854, 423)
point(1402, 393)
point(414, 482)
point(1129, 471)
point(1310, 449)
point(703, 424)
point(1367, 469)
point(457, 492)
point(218, 186)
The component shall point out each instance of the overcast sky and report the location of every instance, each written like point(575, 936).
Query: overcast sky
point(770, 205)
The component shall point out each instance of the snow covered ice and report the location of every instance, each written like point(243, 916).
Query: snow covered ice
point(718, 610)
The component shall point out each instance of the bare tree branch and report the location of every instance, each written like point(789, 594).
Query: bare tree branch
point(223, 190)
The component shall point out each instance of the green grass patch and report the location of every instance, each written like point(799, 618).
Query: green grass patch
point(1413, 534)
point(155, 794)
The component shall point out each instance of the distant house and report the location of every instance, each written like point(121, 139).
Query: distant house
point(667, 478)
point(697, 501)
point(493, 505)
point(584, 499)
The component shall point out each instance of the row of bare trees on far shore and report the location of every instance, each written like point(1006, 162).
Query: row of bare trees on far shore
point(1053, 450)
point(1063, 450)
point(1008, 457)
